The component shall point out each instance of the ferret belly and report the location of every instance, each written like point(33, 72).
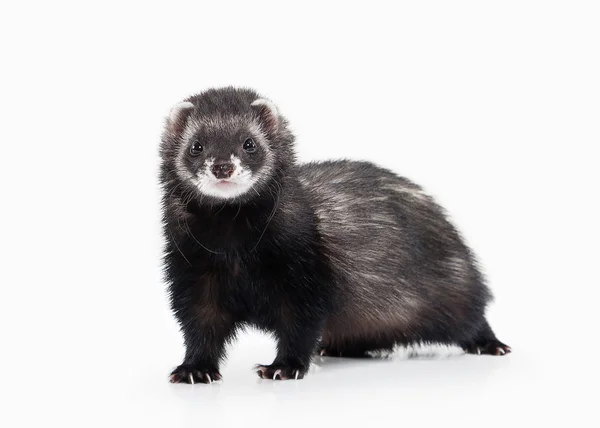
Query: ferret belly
point(363, 316)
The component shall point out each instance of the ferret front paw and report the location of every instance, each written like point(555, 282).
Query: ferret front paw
point(192, 375)
point(280, 372)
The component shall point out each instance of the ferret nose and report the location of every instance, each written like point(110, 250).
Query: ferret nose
point(223, 170)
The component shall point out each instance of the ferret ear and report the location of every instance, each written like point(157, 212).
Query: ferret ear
point(178, 117)
point(269, 116)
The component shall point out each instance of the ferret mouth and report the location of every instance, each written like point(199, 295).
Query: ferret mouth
point(223, 187)
point(225, 183)
point(228, 188)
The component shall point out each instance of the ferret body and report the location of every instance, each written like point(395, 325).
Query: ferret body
point(341, 258)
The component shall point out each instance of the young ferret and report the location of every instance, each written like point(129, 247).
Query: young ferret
point(340, 258)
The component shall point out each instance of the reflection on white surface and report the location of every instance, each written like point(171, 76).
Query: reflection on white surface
point(451, 389)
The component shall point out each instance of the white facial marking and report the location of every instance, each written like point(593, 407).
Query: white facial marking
point(190, 129)
point(237, 163)
point(240, 182)
point(242, 179)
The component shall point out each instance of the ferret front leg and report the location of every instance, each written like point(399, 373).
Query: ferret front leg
point(205, 348)
point(295, 345)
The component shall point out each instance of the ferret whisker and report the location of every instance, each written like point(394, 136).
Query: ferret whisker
point(221, 209)
point(238, 211)
point(198, 242)
point(179, 249)
point(275, 206)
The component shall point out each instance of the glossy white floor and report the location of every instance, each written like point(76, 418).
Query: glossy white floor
point(120, 379)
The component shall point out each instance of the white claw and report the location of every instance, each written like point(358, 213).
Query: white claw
point(297, 373)
point(322, 353)
point(278, 372)
point(209, 379)
point(501, 351)
point(191, 376)
point(478, 351)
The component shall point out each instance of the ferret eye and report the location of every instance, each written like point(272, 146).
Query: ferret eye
point(196, 149)
point(249, 146)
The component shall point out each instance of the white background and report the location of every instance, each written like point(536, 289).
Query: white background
point(493, 107)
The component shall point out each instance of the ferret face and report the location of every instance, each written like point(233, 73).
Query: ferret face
point(222, 143)
point(224, 158)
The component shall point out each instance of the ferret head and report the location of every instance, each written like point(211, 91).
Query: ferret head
point(226, 143)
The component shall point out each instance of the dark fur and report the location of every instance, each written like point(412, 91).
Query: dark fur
point(384, 268)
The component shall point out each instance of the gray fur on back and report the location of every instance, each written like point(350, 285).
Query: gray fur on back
point(403, 269)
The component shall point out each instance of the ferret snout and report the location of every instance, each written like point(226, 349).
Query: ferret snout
point(223, 170)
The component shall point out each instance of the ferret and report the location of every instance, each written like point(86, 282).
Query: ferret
point(338, 258)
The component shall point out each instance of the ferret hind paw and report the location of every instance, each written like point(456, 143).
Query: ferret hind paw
point(279, 372)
